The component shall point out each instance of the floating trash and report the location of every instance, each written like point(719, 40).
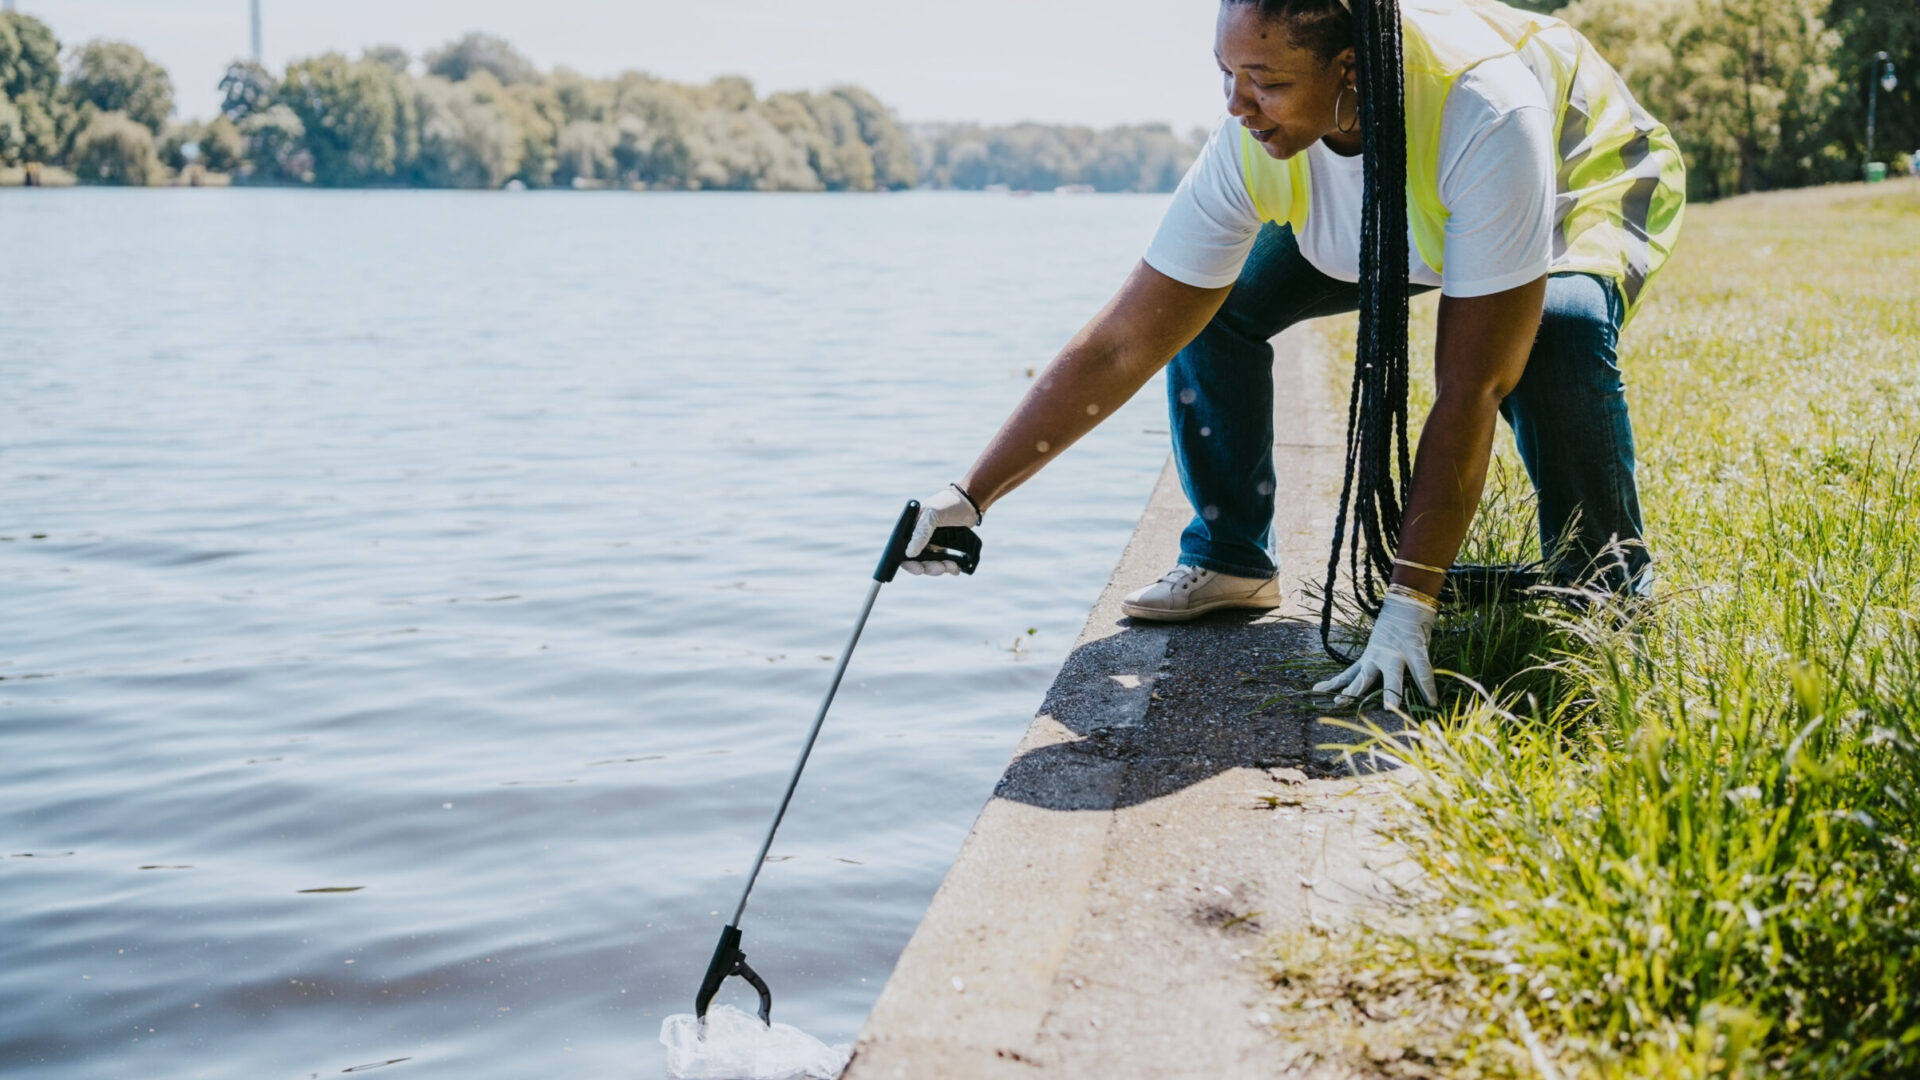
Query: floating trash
point(737, 1046)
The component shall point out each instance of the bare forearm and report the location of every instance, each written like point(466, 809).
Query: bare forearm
point(1132, 337)
point(1479, 357)
point(1449, 473)
point(1080, 388)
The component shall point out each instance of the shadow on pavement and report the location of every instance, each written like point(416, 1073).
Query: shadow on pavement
point(1228, 691)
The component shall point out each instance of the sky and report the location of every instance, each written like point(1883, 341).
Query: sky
point(992, 61)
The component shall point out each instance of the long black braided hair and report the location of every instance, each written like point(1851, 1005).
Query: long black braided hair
point(1378, 463)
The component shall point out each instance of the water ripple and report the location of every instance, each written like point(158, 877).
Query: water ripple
point(402, 657)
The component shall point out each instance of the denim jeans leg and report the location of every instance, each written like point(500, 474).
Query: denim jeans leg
point(1220, 405)
point(1570, 423)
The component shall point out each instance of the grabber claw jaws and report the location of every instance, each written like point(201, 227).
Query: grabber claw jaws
point(729, 960)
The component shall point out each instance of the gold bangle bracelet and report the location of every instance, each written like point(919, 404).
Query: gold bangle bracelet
point(1408, 592)
point(1411, 565)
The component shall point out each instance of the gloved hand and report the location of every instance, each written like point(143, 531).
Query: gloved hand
point(1398, 644)
point(949, 506)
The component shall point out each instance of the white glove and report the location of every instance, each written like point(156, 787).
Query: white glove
point(1398, 644)
point(948, 507)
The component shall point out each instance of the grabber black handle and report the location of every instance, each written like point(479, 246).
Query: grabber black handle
point(952, 543)
point(955, 544)
point(729, 960)
point(896, 552)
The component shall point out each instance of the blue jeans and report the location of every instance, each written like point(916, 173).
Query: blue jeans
point(1568, 414)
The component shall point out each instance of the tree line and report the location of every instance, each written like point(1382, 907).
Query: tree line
point(1760, 93)
point(1765, 94)
point(1041, 157)
point(478, 114)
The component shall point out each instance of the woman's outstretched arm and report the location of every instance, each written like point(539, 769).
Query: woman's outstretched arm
point(1138, 331)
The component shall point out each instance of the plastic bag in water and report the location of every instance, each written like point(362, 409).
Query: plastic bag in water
point(737, 1046)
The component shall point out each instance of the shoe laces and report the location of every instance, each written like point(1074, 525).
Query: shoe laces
point(1184, 576)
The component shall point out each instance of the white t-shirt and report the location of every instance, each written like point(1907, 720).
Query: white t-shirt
point(1496, 180)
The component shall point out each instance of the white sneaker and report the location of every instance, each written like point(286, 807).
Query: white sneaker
point(1187, 592)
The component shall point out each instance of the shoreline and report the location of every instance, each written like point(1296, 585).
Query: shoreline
point(1171, 805)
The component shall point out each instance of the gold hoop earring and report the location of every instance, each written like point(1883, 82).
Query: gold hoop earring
point(1350, 128)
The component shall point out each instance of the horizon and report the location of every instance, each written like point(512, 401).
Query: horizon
point(1074, 62)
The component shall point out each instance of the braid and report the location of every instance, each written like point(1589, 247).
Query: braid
point(1378, 455)
point(1376, 445)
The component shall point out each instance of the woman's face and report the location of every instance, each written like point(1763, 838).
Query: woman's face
point(1281, 93)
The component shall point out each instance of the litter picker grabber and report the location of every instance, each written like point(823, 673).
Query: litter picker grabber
point(953, 544)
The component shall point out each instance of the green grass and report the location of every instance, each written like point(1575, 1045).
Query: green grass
point(1685, 846)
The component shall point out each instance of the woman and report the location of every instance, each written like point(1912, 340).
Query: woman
point(1531, 190)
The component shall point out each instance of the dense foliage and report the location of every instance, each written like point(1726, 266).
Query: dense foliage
point(1761, 94)
point(111, 76)
point(479, 114)
point(116, 149)
point(482, 116)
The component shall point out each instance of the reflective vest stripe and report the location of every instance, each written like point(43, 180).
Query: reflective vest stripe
point(1614, 156)
point(1636, 206)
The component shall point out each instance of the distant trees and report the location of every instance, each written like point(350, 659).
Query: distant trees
point(100, 115)
point(221, 147)
point(13, 136)
point(30, 90)
point(459, 60)
point(474, 113)
point(112, 76)
point(1039, 157)
point(584, 150)
point(348, 111)
point(29, 57)
point(481, 115)
point(275, 143)
point(1749, 87)
point(116, 149)
point(465, 140)
point(1867, 27)
point(893, 165)
point(216, 145)
point(246, 89)
point(392, 57)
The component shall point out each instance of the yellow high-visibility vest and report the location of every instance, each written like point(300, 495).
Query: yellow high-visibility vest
point(1620, 166)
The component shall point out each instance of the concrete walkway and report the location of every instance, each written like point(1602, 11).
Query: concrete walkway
point(1157, 821)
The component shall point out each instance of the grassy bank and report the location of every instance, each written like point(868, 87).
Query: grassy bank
point(1686, 847)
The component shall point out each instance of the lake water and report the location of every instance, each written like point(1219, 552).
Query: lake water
point(411, 604)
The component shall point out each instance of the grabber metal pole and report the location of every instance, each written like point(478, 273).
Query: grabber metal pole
point(958, 545)
point(806, 748)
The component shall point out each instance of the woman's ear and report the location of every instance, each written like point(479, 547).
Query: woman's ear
point(1349, 67)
